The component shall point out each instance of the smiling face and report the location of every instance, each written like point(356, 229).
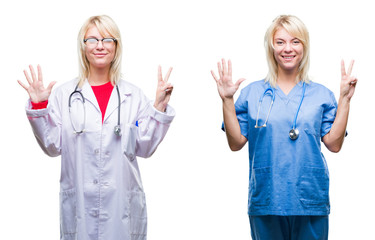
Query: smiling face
point(99, 55)
point(288, 51)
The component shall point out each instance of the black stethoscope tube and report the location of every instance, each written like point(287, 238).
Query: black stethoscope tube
point(117, 129)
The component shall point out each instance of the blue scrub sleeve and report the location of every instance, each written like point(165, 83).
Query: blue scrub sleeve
point(329, 115)
point(242, 113)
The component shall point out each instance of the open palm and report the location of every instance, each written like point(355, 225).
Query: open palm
point(36, 90)
point(225, 85)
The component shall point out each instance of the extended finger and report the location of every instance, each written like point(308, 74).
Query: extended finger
point(219, 69)
point(350, 67)
point(229, 67)
point(33, 73)
point(224, 66)
point(40, 75)
point(22, 85)
point(27, 77)
point(160, 77)
point(343, 72)
point(214, 76)
point(50, 86)
point(239, 81)
point(168, 74)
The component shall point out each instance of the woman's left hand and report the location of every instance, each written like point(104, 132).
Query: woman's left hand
point(163, 91)
point(348, 82)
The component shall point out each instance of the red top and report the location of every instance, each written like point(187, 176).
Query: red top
point(102, 94)
point(39, 105)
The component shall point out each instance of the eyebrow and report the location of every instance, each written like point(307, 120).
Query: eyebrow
point(285, 40)
point(91, 37)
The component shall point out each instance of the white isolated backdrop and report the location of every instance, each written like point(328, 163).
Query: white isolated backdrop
point(196, 188)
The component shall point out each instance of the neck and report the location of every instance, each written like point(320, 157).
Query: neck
point(98, 76)
point(286, 80)
point(284, 76)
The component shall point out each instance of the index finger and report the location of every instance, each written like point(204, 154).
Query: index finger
point(343, 72)
point(160, 77)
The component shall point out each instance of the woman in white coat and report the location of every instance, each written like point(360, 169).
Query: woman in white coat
point(99, 123)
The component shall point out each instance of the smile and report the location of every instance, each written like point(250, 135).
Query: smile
point(288, 57)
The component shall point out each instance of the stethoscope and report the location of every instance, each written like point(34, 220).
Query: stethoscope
point(117, 129)
point(294, 132)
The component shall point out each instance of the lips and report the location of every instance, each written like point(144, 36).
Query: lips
point(100, 54)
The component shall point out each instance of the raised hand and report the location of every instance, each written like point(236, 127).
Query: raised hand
point(225, 85)
point(348, 82)
point(36, 90)
point(163, 90)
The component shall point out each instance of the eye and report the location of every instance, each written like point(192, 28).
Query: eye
point(91, 40)
point(109, 40)
point(279, 43)
point(296, 41)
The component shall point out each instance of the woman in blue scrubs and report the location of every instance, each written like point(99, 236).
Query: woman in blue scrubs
point(284, 118)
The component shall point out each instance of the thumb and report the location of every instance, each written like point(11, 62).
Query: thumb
point(239, 81)
point(50, 86)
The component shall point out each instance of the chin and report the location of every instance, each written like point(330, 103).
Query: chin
point(101, 64)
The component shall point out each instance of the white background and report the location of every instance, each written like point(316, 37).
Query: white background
point(196, 188)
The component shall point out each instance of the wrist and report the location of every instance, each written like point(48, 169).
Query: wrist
point(227, 100)
point(160, 107)
point(344, 100)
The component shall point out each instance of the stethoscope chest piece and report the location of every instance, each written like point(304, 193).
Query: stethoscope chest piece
point(118, 131)
point(293, 134)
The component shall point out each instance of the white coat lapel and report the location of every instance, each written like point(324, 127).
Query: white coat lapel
point(113, 100)
point(89, 95)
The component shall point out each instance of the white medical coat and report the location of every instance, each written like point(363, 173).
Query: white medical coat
point(101, 193)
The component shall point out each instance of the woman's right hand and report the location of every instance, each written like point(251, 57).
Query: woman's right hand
point(36, 90)
point(225, 85)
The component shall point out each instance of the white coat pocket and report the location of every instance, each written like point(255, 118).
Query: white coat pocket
point(130, 141)
point(138, 215)
point(68, 214)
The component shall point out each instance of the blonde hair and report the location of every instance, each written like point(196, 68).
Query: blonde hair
point(295, 27)
point(105, 24)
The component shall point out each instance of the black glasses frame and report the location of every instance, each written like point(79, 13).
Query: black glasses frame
point(102, 40)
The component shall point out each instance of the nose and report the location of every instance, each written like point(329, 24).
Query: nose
point(288, 47)
point(100, 45)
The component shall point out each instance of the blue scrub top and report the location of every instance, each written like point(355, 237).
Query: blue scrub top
point(287, 177)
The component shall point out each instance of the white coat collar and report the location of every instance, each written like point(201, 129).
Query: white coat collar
point(124, 89)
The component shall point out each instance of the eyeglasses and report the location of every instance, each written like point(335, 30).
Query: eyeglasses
point(93, 42)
